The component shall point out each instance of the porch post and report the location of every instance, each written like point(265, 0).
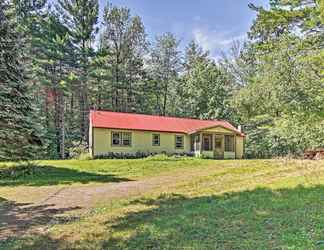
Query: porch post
point(235, 146)
point(200, 141)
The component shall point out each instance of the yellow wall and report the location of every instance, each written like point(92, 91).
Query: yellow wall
point(229, 155)
point(218, 130)
point(90, 138)
point(239, 147)
point(141, 142)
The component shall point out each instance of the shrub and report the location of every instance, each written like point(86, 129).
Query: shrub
point(139, 155)
point(79, 152)
point(84, 156)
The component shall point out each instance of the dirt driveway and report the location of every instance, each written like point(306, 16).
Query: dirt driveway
point(26, 209)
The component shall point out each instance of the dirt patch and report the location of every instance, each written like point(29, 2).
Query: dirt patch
point(89, 196)
point(47, 208)
point(19, 218)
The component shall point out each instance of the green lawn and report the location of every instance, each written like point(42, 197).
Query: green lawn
point(248, 204)
point(43, 173)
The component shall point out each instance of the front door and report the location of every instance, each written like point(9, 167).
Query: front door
point(218, 149)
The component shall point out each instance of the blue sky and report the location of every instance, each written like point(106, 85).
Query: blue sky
point(214, 24)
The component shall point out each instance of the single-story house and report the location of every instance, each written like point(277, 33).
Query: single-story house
point(137, 133)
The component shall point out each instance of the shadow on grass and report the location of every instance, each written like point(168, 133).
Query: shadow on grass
point(16, 219)
point(37, 175)
point(257, 219)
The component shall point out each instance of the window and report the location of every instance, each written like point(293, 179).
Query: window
point(121, 139)
point(207, 142)
point(116, 138)
point(218, 142)
point(192, 143)
point(179, 141)
point(229, 143)
point(127, 139)
point(155, 140)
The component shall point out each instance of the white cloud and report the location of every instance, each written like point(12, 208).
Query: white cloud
point(215, 41)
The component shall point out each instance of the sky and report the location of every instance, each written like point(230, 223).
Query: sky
point(214, 24)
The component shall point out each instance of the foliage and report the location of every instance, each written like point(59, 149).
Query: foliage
point(205, 90)
point(19, 132)
point(137, 155)
point(67, 62)
point(124, 38)
point(165, 64)
point(282, 104)
point(80, 19)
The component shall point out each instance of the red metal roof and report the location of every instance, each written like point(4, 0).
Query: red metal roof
point(131, 121)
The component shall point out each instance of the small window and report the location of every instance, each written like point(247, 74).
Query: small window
point(122, 139)
point(229, 143)
point(116, 139)
point(127, 139)
point(207, 142)
point(179, 141)
point(155, 140)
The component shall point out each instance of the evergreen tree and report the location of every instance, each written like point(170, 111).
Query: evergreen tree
point(53, 71)
point(205, 89)
point(19, 138)
point(165, 65)
point(80, 18)
point(100, 79)
point(125, 40)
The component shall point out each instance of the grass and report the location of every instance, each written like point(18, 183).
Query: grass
point(43, 173)
point(248, 204)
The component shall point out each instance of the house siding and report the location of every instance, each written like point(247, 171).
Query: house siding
point(239, 153)
point(218, 130)
point(141, 142)
point(101, 143)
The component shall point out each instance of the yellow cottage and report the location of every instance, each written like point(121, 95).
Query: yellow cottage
point(129, 133)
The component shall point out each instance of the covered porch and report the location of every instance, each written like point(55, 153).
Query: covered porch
point(215, 145)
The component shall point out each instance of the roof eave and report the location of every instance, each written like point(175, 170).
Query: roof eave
point(148, 130)
point(199, 130)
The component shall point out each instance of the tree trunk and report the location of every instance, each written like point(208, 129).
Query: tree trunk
point(165, 98)
point(60, 123)
point(84, 112)
point(83, 98)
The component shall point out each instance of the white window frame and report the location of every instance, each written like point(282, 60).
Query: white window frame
point(154, 140)
point(122, 137)
point(182, 141)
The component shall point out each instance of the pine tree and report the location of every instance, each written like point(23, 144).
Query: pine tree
point(100, 78)
point(19, 138)
point(53, 71)
point(125, 40)
point(80, 18)
point(165, 65)
point(205, 90)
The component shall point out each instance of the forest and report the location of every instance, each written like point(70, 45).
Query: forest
point(60, 59)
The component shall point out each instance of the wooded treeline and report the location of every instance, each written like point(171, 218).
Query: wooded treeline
point(59, 61)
